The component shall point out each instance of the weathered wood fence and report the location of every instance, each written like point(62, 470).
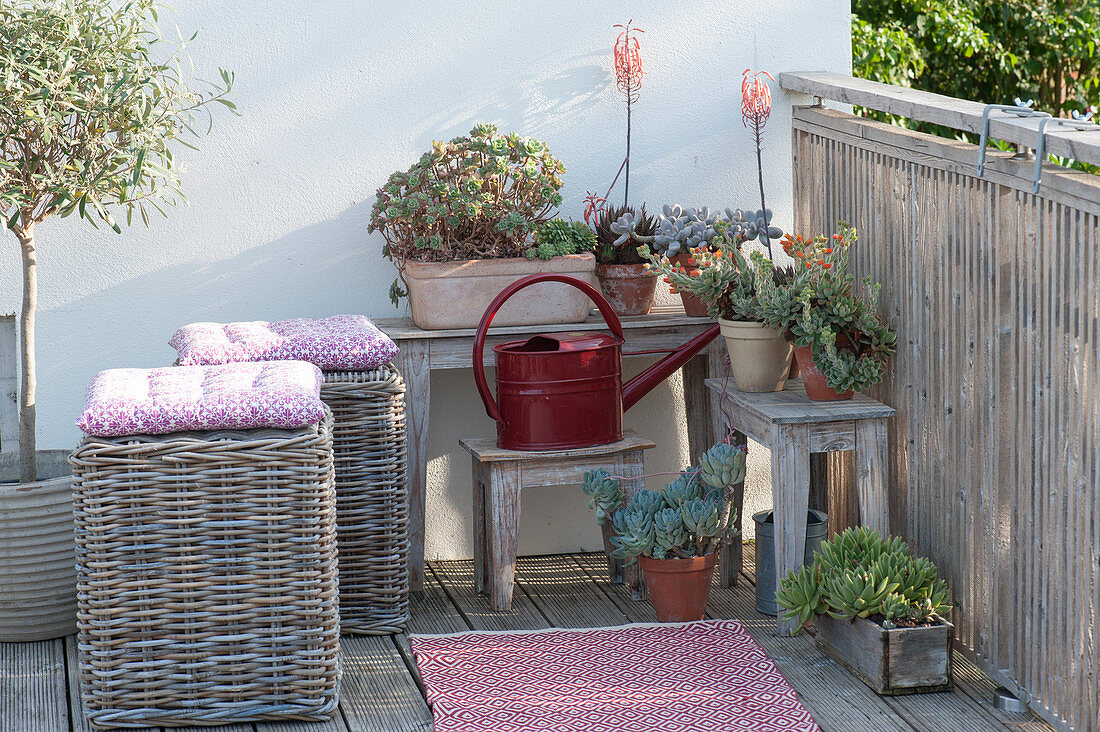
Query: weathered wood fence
point(995, 453)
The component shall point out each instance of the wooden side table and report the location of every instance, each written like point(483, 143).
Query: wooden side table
point(498, 477)
point(793, 427)
point(424, 351)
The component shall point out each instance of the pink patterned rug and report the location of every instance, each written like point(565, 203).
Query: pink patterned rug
point(679, 677)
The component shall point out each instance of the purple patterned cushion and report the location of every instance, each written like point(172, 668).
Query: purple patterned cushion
point(238, 396)
point(339, 343)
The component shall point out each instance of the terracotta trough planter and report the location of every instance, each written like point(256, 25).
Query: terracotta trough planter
point(445, 295)
point(628, 287)
point(679, 588)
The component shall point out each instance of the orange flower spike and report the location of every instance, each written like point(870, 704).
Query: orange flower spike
point(808, 265)
point(827, 265)
point(829, 250)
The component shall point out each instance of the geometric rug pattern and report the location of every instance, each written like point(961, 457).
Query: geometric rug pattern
point(708, 676)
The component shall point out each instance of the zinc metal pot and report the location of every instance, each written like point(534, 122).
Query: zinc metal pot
point(760, 358)
point(446, 295)
point(37, 551)
point(817, 531)
point(628, 287)
point(679, 588)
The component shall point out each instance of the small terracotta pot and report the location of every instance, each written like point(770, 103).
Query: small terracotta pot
point(814, 381)
point(628, 287)
point(760, 358)
point(693, 306)
point(679, 588)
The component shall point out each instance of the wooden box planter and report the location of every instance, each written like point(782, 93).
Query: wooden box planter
point(896, 661)
point(445, 295)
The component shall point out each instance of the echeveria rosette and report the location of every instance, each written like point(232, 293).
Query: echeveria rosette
point(604, 492)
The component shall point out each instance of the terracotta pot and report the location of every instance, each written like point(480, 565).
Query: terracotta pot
point(444, 295)
point(628, 287)
point(693, 306)
point(37, 551)
point(679, 588)
point(814, 381)
point(760, 358)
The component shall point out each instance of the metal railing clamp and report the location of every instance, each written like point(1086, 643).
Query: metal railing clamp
point(1080, 123)
point(1019, 109)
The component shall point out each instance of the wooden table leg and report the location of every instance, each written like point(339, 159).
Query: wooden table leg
point(632, 465)
point(790, 446)
point(481, 547)
point(412, 362)
point(697, 406)
point(731, 558)
point(872, 466)
point(503, 531)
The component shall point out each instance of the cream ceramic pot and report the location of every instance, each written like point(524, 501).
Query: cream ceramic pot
point(760, 358)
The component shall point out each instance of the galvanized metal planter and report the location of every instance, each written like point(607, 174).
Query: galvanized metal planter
point(37, 553)
point(892, 662)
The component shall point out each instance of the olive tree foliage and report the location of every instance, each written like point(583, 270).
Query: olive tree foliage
point(92, 103)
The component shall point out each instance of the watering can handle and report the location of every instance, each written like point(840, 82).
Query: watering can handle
point(606, 310)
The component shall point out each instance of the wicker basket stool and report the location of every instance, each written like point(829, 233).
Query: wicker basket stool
point(372, 497)
point(207, 587)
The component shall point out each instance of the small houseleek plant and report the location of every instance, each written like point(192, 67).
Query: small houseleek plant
point(820, 308)
point(691, 517)
point(612, 247)
point(560, 237)
point(861, 574)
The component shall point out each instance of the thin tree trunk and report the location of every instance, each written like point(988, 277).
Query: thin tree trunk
point(28, 466)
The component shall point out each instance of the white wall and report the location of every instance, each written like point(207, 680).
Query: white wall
point(337, 95)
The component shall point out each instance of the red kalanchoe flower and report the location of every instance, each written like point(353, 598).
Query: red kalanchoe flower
point(756, 99)
point(628, 62)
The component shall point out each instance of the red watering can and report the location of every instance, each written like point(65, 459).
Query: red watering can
point(559, 391)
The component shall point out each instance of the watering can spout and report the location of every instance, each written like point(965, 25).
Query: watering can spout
point(644, 382)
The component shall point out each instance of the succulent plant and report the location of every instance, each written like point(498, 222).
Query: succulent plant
point(476, 197)
point(559, 237)
point(605, 494)
point(689, 518)
point(722, 466)
point(609, 248)
point(821, 309)
point(860, 573)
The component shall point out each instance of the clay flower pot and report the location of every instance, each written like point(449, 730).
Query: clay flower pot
point(628, 287)
point(760, 358)
point(693, 306)
point(679, 588)
point(814, 381)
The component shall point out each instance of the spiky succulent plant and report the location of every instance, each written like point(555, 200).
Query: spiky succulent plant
point(861, 574)
point(611, 248)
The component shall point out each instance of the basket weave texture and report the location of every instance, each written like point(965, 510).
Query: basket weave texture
point(372, 497)
point(207, 577)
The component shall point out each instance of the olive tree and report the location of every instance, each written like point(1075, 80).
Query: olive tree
point(92, 103)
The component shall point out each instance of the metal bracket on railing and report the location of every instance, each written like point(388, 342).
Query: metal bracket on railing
point(1020, 109)
point(1080, 123)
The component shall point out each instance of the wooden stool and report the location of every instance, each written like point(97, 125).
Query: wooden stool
point(498, 477)
point(792, 427)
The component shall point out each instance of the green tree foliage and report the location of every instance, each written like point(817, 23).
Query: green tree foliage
point(983, 50)
point(92, 104)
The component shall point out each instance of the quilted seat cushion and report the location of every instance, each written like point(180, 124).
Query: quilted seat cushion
point(238, 396)
point(338, 343)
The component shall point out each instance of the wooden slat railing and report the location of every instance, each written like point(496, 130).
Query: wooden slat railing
point(995, 453)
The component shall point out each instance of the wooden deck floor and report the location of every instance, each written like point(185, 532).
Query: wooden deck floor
point(380, 692)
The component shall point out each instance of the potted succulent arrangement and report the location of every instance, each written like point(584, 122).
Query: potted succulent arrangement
point(840, 340)
point(879, 611)
point(625, 280)
point(724, 280)
point(91, 108)
point(459, 226)
point(674, 534)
